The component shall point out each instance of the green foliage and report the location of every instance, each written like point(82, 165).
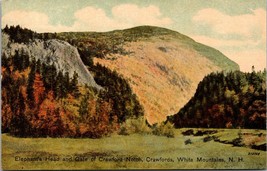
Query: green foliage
point(163, 129)
point(125, 103)
point(133, 126)
point(229, 100)
point(60, 86)
point(96, 114)
point(83, 108)
point(23, 115)
point(133, 145)
point(49, 74)
point(24, 35)
point(238, 141)
point(93, 114)
point(73, 85)
point(30, 97)
point(18, 34)
point(188, 141)
point(215, 56)
point(20, 61)
point(93, 44)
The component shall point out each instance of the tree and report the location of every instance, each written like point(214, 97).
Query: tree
point(49, 74)
point(31, 77)
point(253, 68)
point(83, 108)
point(74, 85)
point(38, 89)
point(17, 61)
point(6, 112)
point(60, 87)
point(237, 100)
point(66, 81)
point(19, 125)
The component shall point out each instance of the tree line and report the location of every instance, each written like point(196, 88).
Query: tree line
point(226, 100)
point(38, 100)
point(23, 35)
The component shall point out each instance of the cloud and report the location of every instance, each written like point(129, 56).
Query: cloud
point(244, 53)
point(94, 19)
point(91, 19)
point(133, 15)
point(245, 25)
point(247, 58)
point(248, 47)
point(123, 16)
point(30, 19)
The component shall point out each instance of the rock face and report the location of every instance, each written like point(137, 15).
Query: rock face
point(64, 56)
point(164, 68)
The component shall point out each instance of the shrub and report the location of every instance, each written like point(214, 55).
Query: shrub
point(208, 138)
point(188, 141)
point(238, 141)
point(134, 125)
point(188, 132)
point(199, 133)
point(164, 130)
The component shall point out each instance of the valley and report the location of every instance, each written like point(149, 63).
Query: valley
point(137, 151)
point(163, 67)
point(133, 85)
point(95, 102)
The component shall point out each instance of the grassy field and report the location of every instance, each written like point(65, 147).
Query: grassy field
point(144, 151)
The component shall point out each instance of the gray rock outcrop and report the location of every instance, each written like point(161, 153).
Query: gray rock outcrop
point(60, 53)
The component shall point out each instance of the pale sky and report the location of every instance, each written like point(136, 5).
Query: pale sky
point(235, 27)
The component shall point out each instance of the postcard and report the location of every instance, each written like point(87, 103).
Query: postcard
point(160, 84)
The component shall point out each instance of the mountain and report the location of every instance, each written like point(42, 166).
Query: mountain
point(48, 91)
point(162, 66)
point(60, 53)
point(233, 100)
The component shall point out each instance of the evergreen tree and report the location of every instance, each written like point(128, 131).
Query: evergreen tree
point(66, 81)
point(236, 100)
point(30, 90)
point(49, 74)
point(19, 125)
point(59, 85)
point(17, 61)
point(74, 85)
point(83, 108)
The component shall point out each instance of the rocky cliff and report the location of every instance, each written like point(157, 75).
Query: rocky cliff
point(60, 53)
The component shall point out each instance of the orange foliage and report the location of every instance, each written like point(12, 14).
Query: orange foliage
point(97, 123)
point(3, 69)
point(39, 88)
point(6, 116)
point(92, 107)
point(23, 90)
point(50, 118)
point(53, 120)
point(16, 75)
point(6, 111)
point(229, 124)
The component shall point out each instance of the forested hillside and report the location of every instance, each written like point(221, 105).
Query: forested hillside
point(39, 100)
point(232, 100)
point(157, 63)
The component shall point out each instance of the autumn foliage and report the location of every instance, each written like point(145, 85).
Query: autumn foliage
point(38, 88)
point(232, 100)
point(40, 101)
